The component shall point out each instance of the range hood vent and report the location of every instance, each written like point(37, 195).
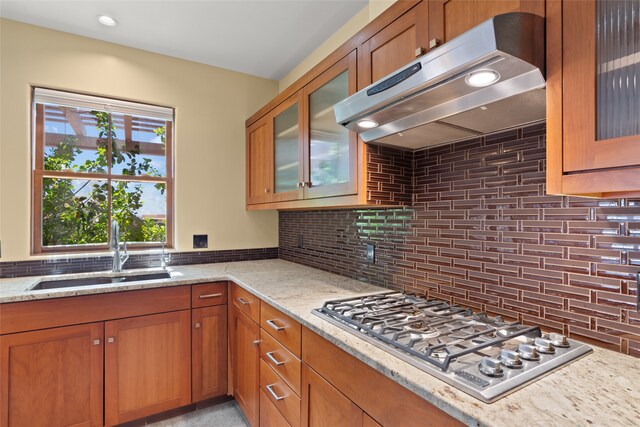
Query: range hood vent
point(449, 95)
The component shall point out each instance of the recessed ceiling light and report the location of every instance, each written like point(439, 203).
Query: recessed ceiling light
point(107, 20)
point(482, 78)
point(367, 124)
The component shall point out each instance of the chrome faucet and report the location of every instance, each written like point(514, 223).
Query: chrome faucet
point(114, 245)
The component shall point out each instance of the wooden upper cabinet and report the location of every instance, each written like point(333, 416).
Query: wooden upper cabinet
point(450, 18)
point(331, 150)
point(396, 45)
point(52, 377)
point(147, 365)
point(209, 352)
point(593, 107)
point(259, 162)
point(287, 124)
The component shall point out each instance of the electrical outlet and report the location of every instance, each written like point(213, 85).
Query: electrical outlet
point(371, 253)
point(301, 241)
point(200, 241)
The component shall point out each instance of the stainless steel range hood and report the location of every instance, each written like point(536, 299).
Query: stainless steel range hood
point(447, 95)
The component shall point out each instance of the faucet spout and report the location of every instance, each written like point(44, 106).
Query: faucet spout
point(114, 245)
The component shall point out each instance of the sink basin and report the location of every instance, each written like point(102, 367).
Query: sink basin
point(98, 280)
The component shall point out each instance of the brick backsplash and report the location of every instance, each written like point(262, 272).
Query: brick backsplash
point(102, 263)
point(482, 233)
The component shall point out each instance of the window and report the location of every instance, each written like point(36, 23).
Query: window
point(97, 159)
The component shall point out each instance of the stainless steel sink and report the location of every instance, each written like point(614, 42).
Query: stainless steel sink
point(97, 280)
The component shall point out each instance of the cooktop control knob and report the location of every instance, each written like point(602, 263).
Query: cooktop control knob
point(544, 346)
point(528, 352)
point(490, 367)
point(510, 359)
point(558, 340)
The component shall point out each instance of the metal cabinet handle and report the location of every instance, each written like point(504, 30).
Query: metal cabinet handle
point(274, 326)
point(256, 342)
point(197, 325)
point(266, 190)
point(273, 393)
point(271, 357)
point(96, 342)
point(433, 43)
point(210, 296)
point(243, 301)
point(111, 340)
point(419, 51)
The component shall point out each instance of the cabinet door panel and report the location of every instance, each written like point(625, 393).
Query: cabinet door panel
point(450, 18)
point(324, 406)
point(246, 368)
point(269, 414)
point(259, 162)
point(330, 149)
point(287, 136)
point(147, 365)
point(596, 72)
point(209, 352)
point(52, 377)
point(395, 46)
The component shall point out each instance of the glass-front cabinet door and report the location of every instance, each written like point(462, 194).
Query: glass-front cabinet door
point(330, 149)
point(287, 150)
point(601, 102)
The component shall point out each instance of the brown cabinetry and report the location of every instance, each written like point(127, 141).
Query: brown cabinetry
point(396, 45)
point(593, 135)
point(209, 352)
point(147, 365)
point(52, 378)
point(324, 406)
point(297, 151)
point(450, 18)
point(245, 359)
point(128, 355)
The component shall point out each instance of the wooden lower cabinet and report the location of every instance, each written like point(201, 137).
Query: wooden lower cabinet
point(269, 414)
point(386, 401)
point(52, 377)
point(246, 369)
point(209, 352)
point(147, 365)
point(324, 406)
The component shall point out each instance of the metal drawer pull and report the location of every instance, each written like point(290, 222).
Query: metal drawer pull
point(210, 296)
point(273, 393)
point(242, 301)
point(256, 343)
point(273, 359)
point(96, 342)
point(111, 340)
point(272, 323)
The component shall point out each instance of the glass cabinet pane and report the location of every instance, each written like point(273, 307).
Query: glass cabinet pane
point(618, 68)
point(329, 142)
point(287, 161)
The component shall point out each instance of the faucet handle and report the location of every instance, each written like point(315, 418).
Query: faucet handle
point(125, 256)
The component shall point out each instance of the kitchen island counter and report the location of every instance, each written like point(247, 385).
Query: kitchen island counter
point(599, 389)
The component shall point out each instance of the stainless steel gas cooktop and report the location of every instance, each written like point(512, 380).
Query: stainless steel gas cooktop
point(483, 356)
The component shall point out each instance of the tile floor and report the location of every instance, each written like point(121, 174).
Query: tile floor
point(222, 415)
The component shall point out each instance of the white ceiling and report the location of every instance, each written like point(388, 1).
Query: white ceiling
point(261, 37)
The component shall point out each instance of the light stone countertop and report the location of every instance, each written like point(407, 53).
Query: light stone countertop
point(601, 389)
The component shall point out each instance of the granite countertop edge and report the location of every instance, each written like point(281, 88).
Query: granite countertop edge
point(296, 290)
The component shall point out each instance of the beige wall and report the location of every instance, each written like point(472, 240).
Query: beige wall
point(211, 106)
point(355, 24)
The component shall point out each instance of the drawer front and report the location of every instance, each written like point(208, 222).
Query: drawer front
point(280, 394)
point(246, 302)
point(281, 360)
point(269, 414)
point(208, 294)
point(283, 328)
